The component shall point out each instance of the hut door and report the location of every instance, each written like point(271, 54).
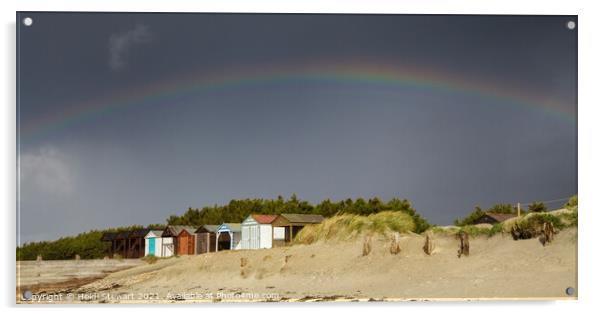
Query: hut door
point(183, 245)
point(151, 246)
point(190, 245)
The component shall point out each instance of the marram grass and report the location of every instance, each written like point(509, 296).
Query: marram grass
point(349, 226)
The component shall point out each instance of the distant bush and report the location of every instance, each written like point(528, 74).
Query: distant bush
point(537, 207)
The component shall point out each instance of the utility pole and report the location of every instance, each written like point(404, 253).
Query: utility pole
point(518, 208)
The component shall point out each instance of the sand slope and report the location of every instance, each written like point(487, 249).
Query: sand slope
point(497, 267)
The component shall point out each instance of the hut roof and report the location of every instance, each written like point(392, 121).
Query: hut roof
point(174, 230)
point(264, 219)
point(500, 217)
point(139, 233)
point(156, 233)
point(108, 236)
point(303, 218)
point(189, 230)
point(233, 227)
point(123, 235)
point(207, 229)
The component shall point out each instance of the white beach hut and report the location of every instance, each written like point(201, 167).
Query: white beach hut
point(153, 243)
point(256, 231)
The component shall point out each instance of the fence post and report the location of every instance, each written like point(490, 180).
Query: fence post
point(518, 208)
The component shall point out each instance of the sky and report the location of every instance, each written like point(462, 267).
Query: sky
point(128, 118)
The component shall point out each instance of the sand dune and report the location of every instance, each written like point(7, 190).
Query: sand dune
point(498, 267)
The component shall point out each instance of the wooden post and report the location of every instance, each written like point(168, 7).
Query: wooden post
point(518, 208)
point(217, 241)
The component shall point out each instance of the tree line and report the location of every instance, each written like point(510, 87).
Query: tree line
point(87, 245)
point(237, 210)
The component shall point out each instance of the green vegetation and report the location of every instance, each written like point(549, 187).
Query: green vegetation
point(88, 245)
point(348, 226)
point(471, 230)
point(537, 207)
point(237, 210)
point(528, 225)
point(572, 202)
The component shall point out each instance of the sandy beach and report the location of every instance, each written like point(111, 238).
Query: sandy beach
point(497, 268)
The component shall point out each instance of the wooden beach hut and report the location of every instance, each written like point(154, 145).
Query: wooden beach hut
point(109, 238)
point(122, 244)
point(256, 231)
point(137, 243)
point(493, 218)
point(170, 239)
point(186, 241)
point(154, 243)
point(205, 237)
point(287, 226)
point(228, 237)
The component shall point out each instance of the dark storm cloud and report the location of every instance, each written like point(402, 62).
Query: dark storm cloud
point(137, 164)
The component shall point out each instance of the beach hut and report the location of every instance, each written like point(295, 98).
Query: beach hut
point(286, 226)
point(136, 243)
point(122, 244)
point(205, 237)
point(110, 238)
point(154, 243)
point(186, 243)
point(228, 237)
point(170, 239)
point(256, 231)
point(493, 218)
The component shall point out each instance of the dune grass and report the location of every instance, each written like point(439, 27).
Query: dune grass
point(349, 226)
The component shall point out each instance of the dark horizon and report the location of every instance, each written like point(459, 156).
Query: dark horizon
point(128, 118)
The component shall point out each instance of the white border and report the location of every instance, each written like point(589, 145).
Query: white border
point(589, 141)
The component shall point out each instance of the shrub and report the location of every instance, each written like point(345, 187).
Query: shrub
point(531, 226)
point(495, 229)
point(474, 231)
point(537, 207)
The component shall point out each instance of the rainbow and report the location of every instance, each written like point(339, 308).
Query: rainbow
point(355, 73)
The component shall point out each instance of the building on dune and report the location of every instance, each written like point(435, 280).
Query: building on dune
point(126, 244)
point(112, 249)
point(493, 218)
point(257, 231)
point(122, 244)
point(206, 238)
point(154, 244)
point(170, 239)
point(287, 226)
point(136, 243)
point(228, 237)
point(186, 241)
